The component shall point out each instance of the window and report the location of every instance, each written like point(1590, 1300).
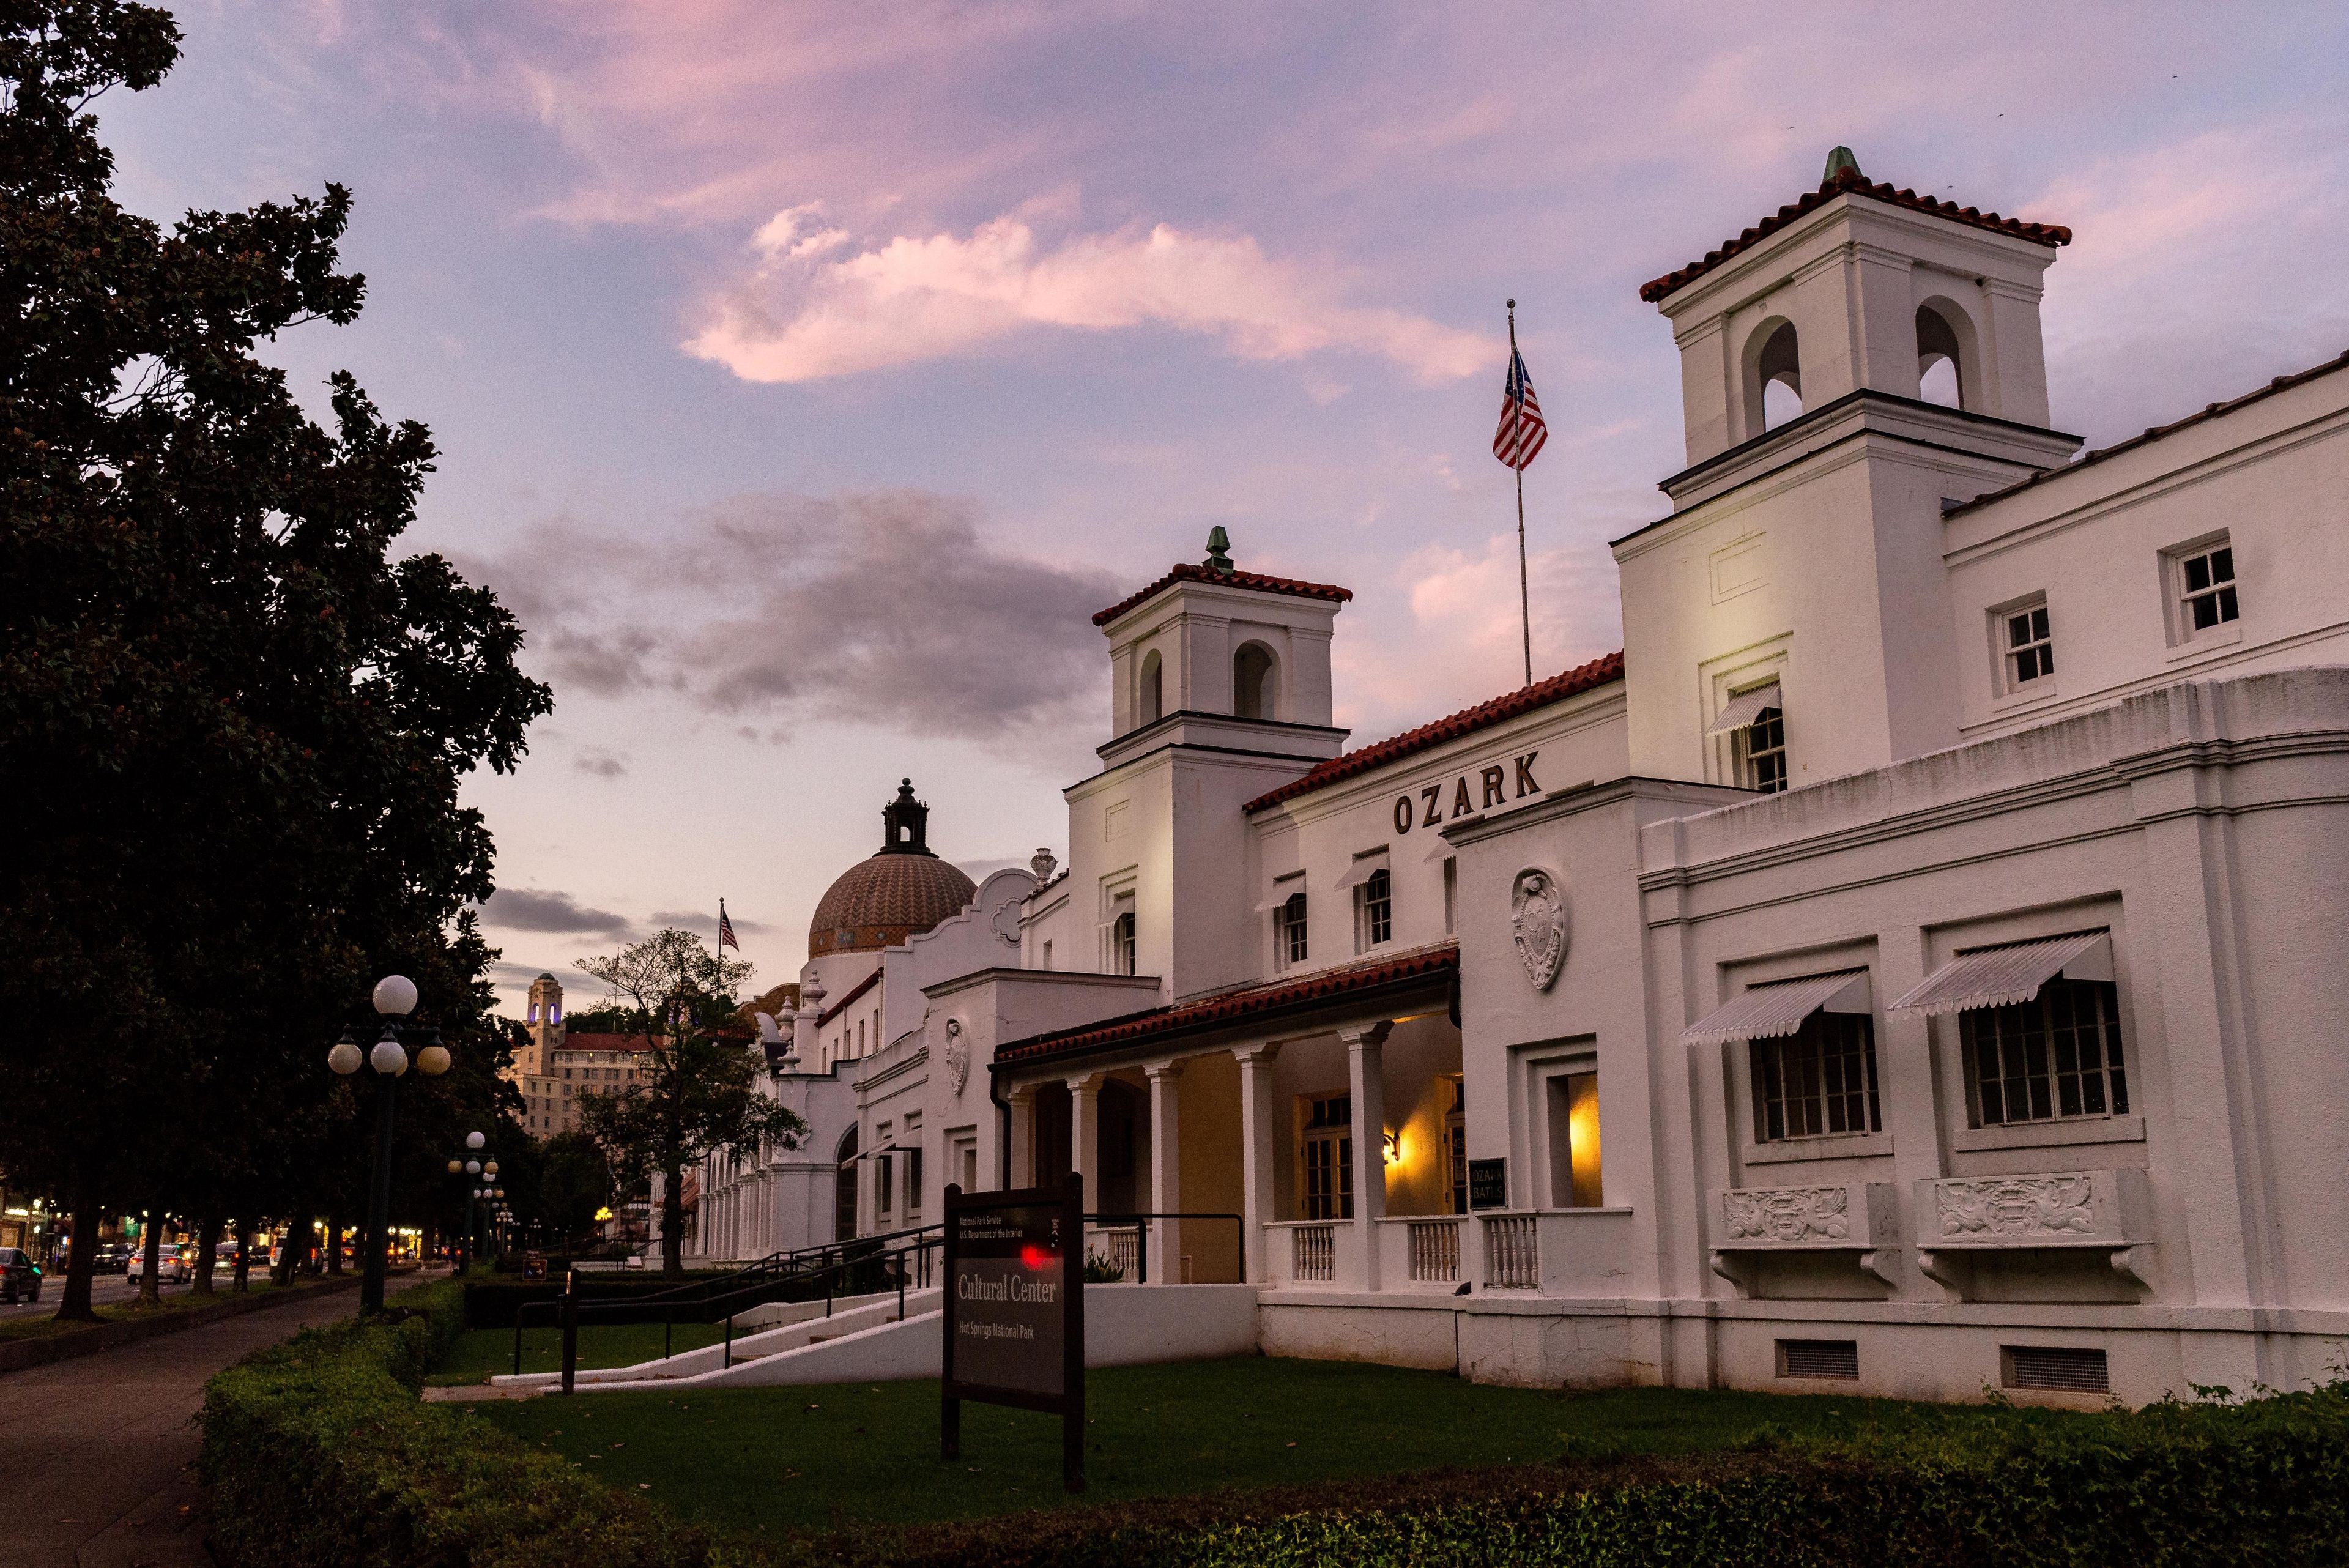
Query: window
point(1152, 703)
point(2029, 647)
point(1818, 1082)
point(1289, 933)
point(1378, 909)
point(1573, 1108)
point(883, 1175)
point(1121, 944)
point(1325, 1151)
point(914, 1180)
point(1048, 955)
point(2206, 588)
point(1451, 896)
point(1762, 751)
point(2056, 1055)
point(1455, 1145)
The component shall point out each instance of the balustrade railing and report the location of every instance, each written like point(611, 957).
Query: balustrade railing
point(1435, 1252)
point(1512, 1252)
point(1313, 1255)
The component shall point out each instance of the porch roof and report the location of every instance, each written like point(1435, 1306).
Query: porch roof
point(1258, 1001)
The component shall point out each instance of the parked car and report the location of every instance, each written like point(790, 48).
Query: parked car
point(172, 1269)
point(20, 1277)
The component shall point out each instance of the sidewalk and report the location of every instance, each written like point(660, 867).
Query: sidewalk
point(99, 1453)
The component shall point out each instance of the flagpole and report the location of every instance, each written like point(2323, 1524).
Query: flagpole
point(1525, 599)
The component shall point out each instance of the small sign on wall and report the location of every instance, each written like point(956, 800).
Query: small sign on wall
point(1014, 1327)
point(1488, 1184)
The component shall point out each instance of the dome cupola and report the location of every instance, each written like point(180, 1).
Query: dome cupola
point(903, 890)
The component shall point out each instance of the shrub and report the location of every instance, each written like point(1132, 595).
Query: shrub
point(318, 1450)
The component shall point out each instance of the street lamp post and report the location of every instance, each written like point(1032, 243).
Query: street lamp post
point(395, 998)
point(474, 1165)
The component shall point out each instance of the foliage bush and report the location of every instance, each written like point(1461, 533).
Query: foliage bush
point(319, 1451)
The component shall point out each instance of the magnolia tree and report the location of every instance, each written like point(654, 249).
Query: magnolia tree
point(698, 1092)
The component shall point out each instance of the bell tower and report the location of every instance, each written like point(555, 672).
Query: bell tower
point(546, 1020)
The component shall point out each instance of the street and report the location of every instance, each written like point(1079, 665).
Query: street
point(105, 1290)
point(101, 1451)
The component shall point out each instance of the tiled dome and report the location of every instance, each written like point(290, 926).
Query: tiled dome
point(901, 892)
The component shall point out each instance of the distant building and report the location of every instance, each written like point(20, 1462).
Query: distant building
point(1913, 964)
point(558, 1070)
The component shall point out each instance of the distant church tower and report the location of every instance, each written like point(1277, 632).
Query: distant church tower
point(546, 1021)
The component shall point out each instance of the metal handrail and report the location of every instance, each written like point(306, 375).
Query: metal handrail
point(667, 1313)
point(1141, 1237)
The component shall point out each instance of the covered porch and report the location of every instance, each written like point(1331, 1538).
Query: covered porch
point(1326, 1112)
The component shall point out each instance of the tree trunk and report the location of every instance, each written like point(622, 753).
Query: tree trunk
point(334, 1244)
point(244, 1254)
point(297, 1246)
point(673, 1224)
point(82, 1263)
point(151, 1253)
point(208, 1234)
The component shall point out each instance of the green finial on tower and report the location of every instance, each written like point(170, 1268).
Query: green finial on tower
point(1220, 560)
point(1840, 161)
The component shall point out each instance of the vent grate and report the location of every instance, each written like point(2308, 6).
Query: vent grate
point(1819, 1358)
point(2063, 1370)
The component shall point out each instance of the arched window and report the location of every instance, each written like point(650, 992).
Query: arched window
point(1120, 943)
point(1941, 377)
point(1252, 689)
point(1777, 382)
point(1150, 704)
point(844, 1197)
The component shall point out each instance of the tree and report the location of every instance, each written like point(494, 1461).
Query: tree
point(701, 1093)
point(574, 1184)
point(233, 726)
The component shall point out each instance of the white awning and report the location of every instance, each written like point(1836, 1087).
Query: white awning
point(1364, 867)
point(2001, 977)
point(1773, 1011)
point(1281, 891)
point(1744, 707)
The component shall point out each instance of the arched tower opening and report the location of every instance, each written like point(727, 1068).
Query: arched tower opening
point(1254, 695)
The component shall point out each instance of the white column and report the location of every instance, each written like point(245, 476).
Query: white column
point(1084, 1136)
point(1366, 1082)
point(1166, 1167)
point(1022, 1133)
point(1257, 1153)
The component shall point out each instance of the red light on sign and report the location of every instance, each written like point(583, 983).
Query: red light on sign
point(1034, 1257)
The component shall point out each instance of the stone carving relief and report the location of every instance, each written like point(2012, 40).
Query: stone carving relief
point(2015, 1206)
point(1537, 921)
point(958, 1056)
point(1787, 1214)
point(1005, 921)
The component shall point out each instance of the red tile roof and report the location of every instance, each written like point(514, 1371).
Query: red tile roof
point(1261, 1001)
point(2155, 432)
point(1467, 721)
point(1257, 580)
point(1852, 181)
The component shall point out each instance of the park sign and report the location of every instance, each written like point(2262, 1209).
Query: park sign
point(1014, 1325)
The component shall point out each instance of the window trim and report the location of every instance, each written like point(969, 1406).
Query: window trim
point(1292, 930)
point(1374, 906)
point(2177, 598)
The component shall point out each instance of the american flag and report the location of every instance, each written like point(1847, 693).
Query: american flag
point(1522, 431)
point(725, 931)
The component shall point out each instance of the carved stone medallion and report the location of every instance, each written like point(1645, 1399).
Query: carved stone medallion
point(1537, 922)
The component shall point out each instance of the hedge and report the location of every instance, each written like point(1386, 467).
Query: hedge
point(320, 1452)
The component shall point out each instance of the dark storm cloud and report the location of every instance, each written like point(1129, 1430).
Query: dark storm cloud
point(887, 608)
point(533, 909)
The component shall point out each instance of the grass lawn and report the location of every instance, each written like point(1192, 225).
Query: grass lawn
point(484, 1353)
point(784, 1460)
point(176, 1298)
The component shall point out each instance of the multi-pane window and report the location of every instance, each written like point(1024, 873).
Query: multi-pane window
point(1819, 1082)
point(1325, 1153)
point(881, 1179)
point(1291, 932)
point(2056, 1055)
point(914, 1180)
point(1120, 943)
point(1763, 745)
point(1378, 908)
point(2030, 646)
point(2206, 584)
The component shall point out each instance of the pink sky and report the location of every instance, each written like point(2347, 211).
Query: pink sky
point(805, 373)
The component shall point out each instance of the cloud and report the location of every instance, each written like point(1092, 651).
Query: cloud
point(802, 318)
point(601, 763)
point(706, 921)
point(531, 910)
point(886, 609)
